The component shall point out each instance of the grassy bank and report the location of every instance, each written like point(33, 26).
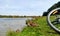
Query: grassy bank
point(42, 30)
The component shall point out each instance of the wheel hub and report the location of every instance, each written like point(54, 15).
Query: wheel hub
point(59, 20)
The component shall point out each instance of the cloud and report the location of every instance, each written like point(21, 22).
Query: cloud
point(25, 7)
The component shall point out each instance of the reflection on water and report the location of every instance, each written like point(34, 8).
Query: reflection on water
point(11, 23)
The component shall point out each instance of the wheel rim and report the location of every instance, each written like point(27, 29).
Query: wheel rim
point(49, 20)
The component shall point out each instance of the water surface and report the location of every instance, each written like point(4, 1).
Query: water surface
point(11, 24)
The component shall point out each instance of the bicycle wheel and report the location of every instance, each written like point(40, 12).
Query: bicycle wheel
point(53, 19)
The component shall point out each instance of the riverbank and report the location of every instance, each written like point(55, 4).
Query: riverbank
point(43, 29)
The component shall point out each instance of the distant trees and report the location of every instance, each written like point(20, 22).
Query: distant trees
point(56, 5)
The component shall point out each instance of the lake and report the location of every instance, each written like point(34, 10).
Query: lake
point(11, 24)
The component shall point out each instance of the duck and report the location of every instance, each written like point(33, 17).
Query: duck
point(32, 24)
point(17, 30)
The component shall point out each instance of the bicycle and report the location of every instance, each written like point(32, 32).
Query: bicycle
point(53, 19)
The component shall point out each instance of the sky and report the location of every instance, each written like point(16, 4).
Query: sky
point(25, 7)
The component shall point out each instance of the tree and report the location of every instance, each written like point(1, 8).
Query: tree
point(56, 5)
point(45, 14)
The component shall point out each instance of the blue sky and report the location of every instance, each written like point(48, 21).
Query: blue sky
point(25, 7)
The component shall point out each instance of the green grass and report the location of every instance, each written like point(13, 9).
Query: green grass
point(43, 29)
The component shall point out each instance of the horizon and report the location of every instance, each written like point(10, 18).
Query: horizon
point(18, 15)
point(25, 7)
